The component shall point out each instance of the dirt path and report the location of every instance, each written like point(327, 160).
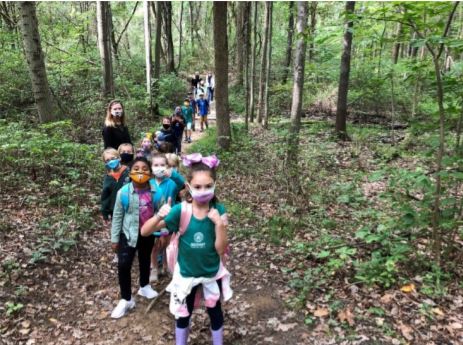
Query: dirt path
point(70, 298)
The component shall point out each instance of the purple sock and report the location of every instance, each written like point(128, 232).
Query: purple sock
point(217, 336)
point(181, 335)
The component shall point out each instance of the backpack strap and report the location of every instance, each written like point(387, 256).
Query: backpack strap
point(185, 216)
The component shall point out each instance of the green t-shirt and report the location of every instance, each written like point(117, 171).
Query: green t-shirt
point(187, 113)
point(197, 256)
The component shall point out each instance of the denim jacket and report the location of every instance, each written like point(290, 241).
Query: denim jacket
point(127, 222)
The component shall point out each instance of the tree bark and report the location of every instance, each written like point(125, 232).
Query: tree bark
point(247, 47)
point(343, 89)
point(168, 31)
point(253, 65)
point(147, 31)
point(263, 63)
point(296, 105)
point(35, 61)
point(240, 41)
point(180, 33)
point(221, 74)
point(104, 45)
point(396, 47)
point(268, 67)
point(313, 24)
point(157, 43)
point(289, 42)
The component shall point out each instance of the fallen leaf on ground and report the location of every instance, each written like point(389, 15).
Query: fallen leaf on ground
point(321, 312)
point(346, 315)
point(408, 288)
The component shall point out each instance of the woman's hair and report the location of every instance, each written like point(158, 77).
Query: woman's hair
point(173, 159)
point(166, 118)
point(158, 155)
point(166, 147)
point(141, 159)
point(109, 120)
point(110, 151)
point(121, 147)
point(192, 170)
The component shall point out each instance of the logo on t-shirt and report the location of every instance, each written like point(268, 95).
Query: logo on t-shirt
point(198, 240)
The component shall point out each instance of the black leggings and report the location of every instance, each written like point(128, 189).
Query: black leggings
point(215, 314)
point(125, 256)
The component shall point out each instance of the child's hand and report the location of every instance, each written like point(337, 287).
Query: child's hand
point(165, 209)
point(168, 172)
point(214, 216)
point(115, 247)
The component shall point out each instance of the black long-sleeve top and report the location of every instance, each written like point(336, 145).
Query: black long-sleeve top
point(114, 136)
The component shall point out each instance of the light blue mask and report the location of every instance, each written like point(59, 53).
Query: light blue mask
point(113, 163)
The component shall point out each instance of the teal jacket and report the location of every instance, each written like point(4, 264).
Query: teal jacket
point(127, 222)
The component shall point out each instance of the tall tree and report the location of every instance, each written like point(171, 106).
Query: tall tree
point(167, 5)
point(147, 30)
point(263, 63)
point(247, 47)
point(253, 64)
point(298, 84)
point(396, 46)
point(35, 61)
point(219, 9)
point(313, 24)
point(156, 7)
point(180, 35)
point(240, 40)
point(343, 88)
point(268, 67)
point(104, 45)
point(289, 41)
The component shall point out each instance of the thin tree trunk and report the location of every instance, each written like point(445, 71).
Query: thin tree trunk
point(168, 30)
point(343, 89)
point(180, 32)
point(253, 65)
point(289, 42)
point(263, 64)
point(221, 74)
point(296, 105)
point(104, 45)
point(247, 44)
point(313, 24)
point(35, 61)
point(191, 27)
point(396, 47)
point(240, 44)
point(146, 22)
point(157, 43)
point(268, 67)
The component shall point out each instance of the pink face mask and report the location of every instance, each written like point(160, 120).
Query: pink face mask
point(202, 196)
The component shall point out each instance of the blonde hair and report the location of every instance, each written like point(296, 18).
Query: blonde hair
point(109, 120)
point(110, 151)
point(121, 146)
point(172, 160)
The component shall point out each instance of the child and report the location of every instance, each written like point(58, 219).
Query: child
point(200, 248)
point(178, 125)
point(165, 134)
point(187, 112)
point(173, 161)
point(117, 175)
point(193, 106)
point(203, 110)
point(146, 146)
point(126, 152)
point(134, 205)
point(169, 183)
point(210, 84)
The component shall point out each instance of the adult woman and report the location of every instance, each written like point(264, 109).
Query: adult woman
point(115, 132)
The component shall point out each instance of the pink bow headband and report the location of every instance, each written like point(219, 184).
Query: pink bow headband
point(211, 161)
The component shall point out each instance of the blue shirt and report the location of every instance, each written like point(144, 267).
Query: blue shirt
point(203, 106)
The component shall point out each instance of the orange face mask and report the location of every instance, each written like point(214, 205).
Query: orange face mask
point(140, 177)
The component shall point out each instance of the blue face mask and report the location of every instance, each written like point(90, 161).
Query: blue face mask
point(113, 163)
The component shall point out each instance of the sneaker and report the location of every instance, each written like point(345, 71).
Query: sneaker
point(154, 277)
point(115, 259)
point(201, 130)
point(147, 292)
point(189, 140)
point(122, 308)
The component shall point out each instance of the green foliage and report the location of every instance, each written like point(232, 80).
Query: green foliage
point(169, 91)
point(12, 307)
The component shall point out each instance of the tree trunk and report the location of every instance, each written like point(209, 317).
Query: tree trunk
point(263, 63)
point(253, 66)
point(168, 32)
point(191, 27)
point(296, 106)
point(313, 24)
point(104, 38)
point(268, 67)
point(221, 74)
point(343, 89)
point(247, 47)
point(180, 33)
point(240, 41)
point(157, 43)
point(146, 22)
point(396, 47)
point(289, 42)
point(35, 61)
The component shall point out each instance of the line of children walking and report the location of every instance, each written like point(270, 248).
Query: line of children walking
point(141, 195)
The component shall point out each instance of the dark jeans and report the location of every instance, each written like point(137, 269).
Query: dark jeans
point(215, 314)
point(126, 255)
point(210, 94)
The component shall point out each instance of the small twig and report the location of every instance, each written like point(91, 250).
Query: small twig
point(154, 300)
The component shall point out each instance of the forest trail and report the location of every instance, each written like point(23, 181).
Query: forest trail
point(72, 295)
